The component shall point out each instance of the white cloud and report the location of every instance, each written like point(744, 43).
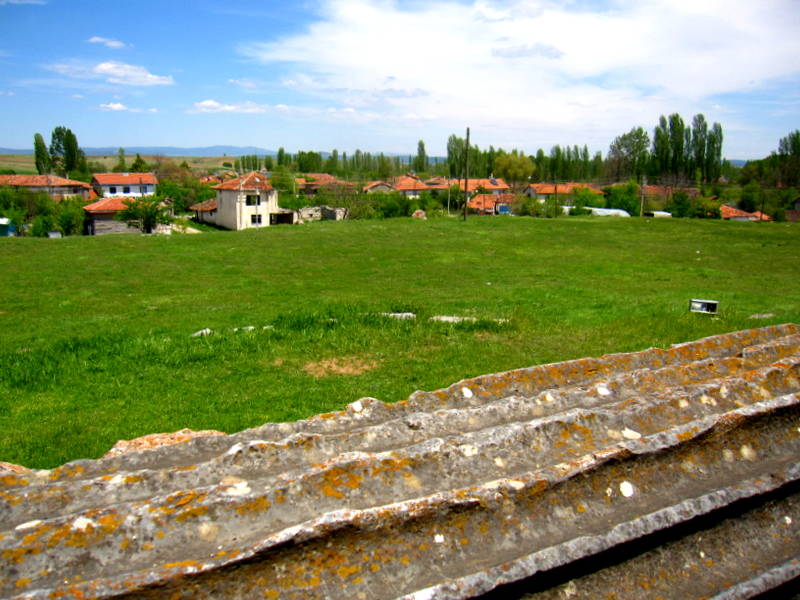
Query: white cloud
point(107, 42)
point(111, 71)
point(212, 106)
point(124, 74)
point(77, 96)
point(118, 106)
point(6, 2)
point(545, 71)
point(7, 93)
point(245, 83)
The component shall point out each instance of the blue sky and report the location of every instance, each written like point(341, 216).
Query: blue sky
point(380, 74)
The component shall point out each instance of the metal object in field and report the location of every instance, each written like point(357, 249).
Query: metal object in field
point(703, 306)
point(666, 472)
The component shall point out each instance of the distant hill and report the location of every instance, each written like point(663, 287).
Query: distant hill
point(163, 150)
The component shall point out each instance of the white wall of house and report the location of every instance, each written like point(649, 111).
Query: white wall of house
point(244, 209)
point(130, 190)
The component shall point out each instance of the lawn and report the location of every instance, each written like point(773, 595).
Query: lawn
point(96, 332)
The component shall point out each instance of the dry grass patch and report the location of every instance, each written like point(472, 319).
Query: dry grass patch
point(347, 365)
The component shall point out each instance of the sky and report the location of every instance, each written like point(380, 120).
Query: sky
point(380, 75)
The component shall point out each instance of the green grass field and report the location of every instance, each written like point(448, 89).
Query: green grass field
point(96, 332)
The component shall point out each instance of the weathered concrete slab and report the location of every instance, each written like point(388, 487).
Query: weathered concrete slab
point(533, 476)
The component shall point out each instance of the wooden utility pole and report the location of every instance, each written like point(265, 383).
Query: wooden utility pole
point(641, 202)
point(466, 176)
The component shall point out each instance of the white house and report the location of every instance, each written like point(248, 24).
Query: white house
point(241, 203)
point(130, 185)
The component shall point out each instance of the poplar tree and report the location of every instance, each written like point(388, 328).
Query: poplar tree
point(43, 164)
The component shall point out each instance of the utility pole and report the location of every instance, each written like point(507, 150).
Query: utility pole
point(641, 202)
point(466, 176)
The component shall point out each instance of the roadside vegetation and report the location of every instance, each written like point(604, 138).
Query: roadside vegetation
point(97, 332)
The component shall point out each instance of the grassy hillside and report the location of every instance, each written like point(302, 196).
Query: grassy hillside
point(25, 163)
point(96, 332)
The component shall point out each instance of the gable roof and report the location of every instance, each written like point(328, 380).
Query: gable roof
point(489, 202)
point(729, 212)
point(251, 181)
point(124, 178)
point(41, 181)
point(409, 183)
point(205, 206)
point(376, 184)
point(490, 184)
point(568, 187)
point(111, 204)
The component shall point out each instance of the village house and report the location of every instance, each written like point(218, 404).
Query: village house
point(101, 217)
point(56, 187)
point(411, 186)
point(311, 183)
point(564, 191)
point(246, 202)
point(130, 185)
point(729, 213)
point(375, 187)
point(491, 204)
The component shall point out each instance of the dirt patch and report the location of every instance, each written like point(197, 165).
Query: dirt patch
point(347, 365)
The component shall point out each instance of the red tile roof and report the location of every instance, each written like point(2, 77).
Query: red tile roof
point(111, 204)
point(205, 206)
point(489, 202)
point(666, 191)
point(729, 212)
point(41, 181)
point(322, 179)
point(569, 187)
point(490, 185)
point(124, 178)
point(251, 181)
point(374, 184)
point(409, 183)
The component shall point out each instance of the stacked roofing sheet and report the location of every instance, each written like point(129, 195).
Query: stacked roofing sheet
point(662, 473)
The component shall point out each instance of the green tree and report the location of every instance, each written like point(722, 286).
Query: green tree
point(43, 163)
point(72, 152)
point(625, 197)
point(70, 216)
point(120, 167)
point(700, 145)
point(144, 213)
point(139, 165)
point(57, 148)
point(628, 154)
point(514, 167)
point(420, 163)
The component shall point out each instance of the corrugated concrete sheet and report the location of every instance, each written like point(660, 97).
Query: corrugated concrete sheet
point(668, 473)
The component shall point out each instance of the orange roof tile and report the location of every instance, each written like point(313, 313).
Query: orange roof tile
point(374, 184)
point(124, 178)
point(409, 183)
point(108, 205)
point(729, 212)
point(41, 181)
point(562, 188)
point(205, 206)
point(488, 202)
point(251, 181)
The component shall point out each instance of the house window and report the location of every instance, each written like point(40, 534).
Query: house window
point(143, 189)
point(112, 189)
point(126, 189)
point(255, 219)
point(253, 200)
